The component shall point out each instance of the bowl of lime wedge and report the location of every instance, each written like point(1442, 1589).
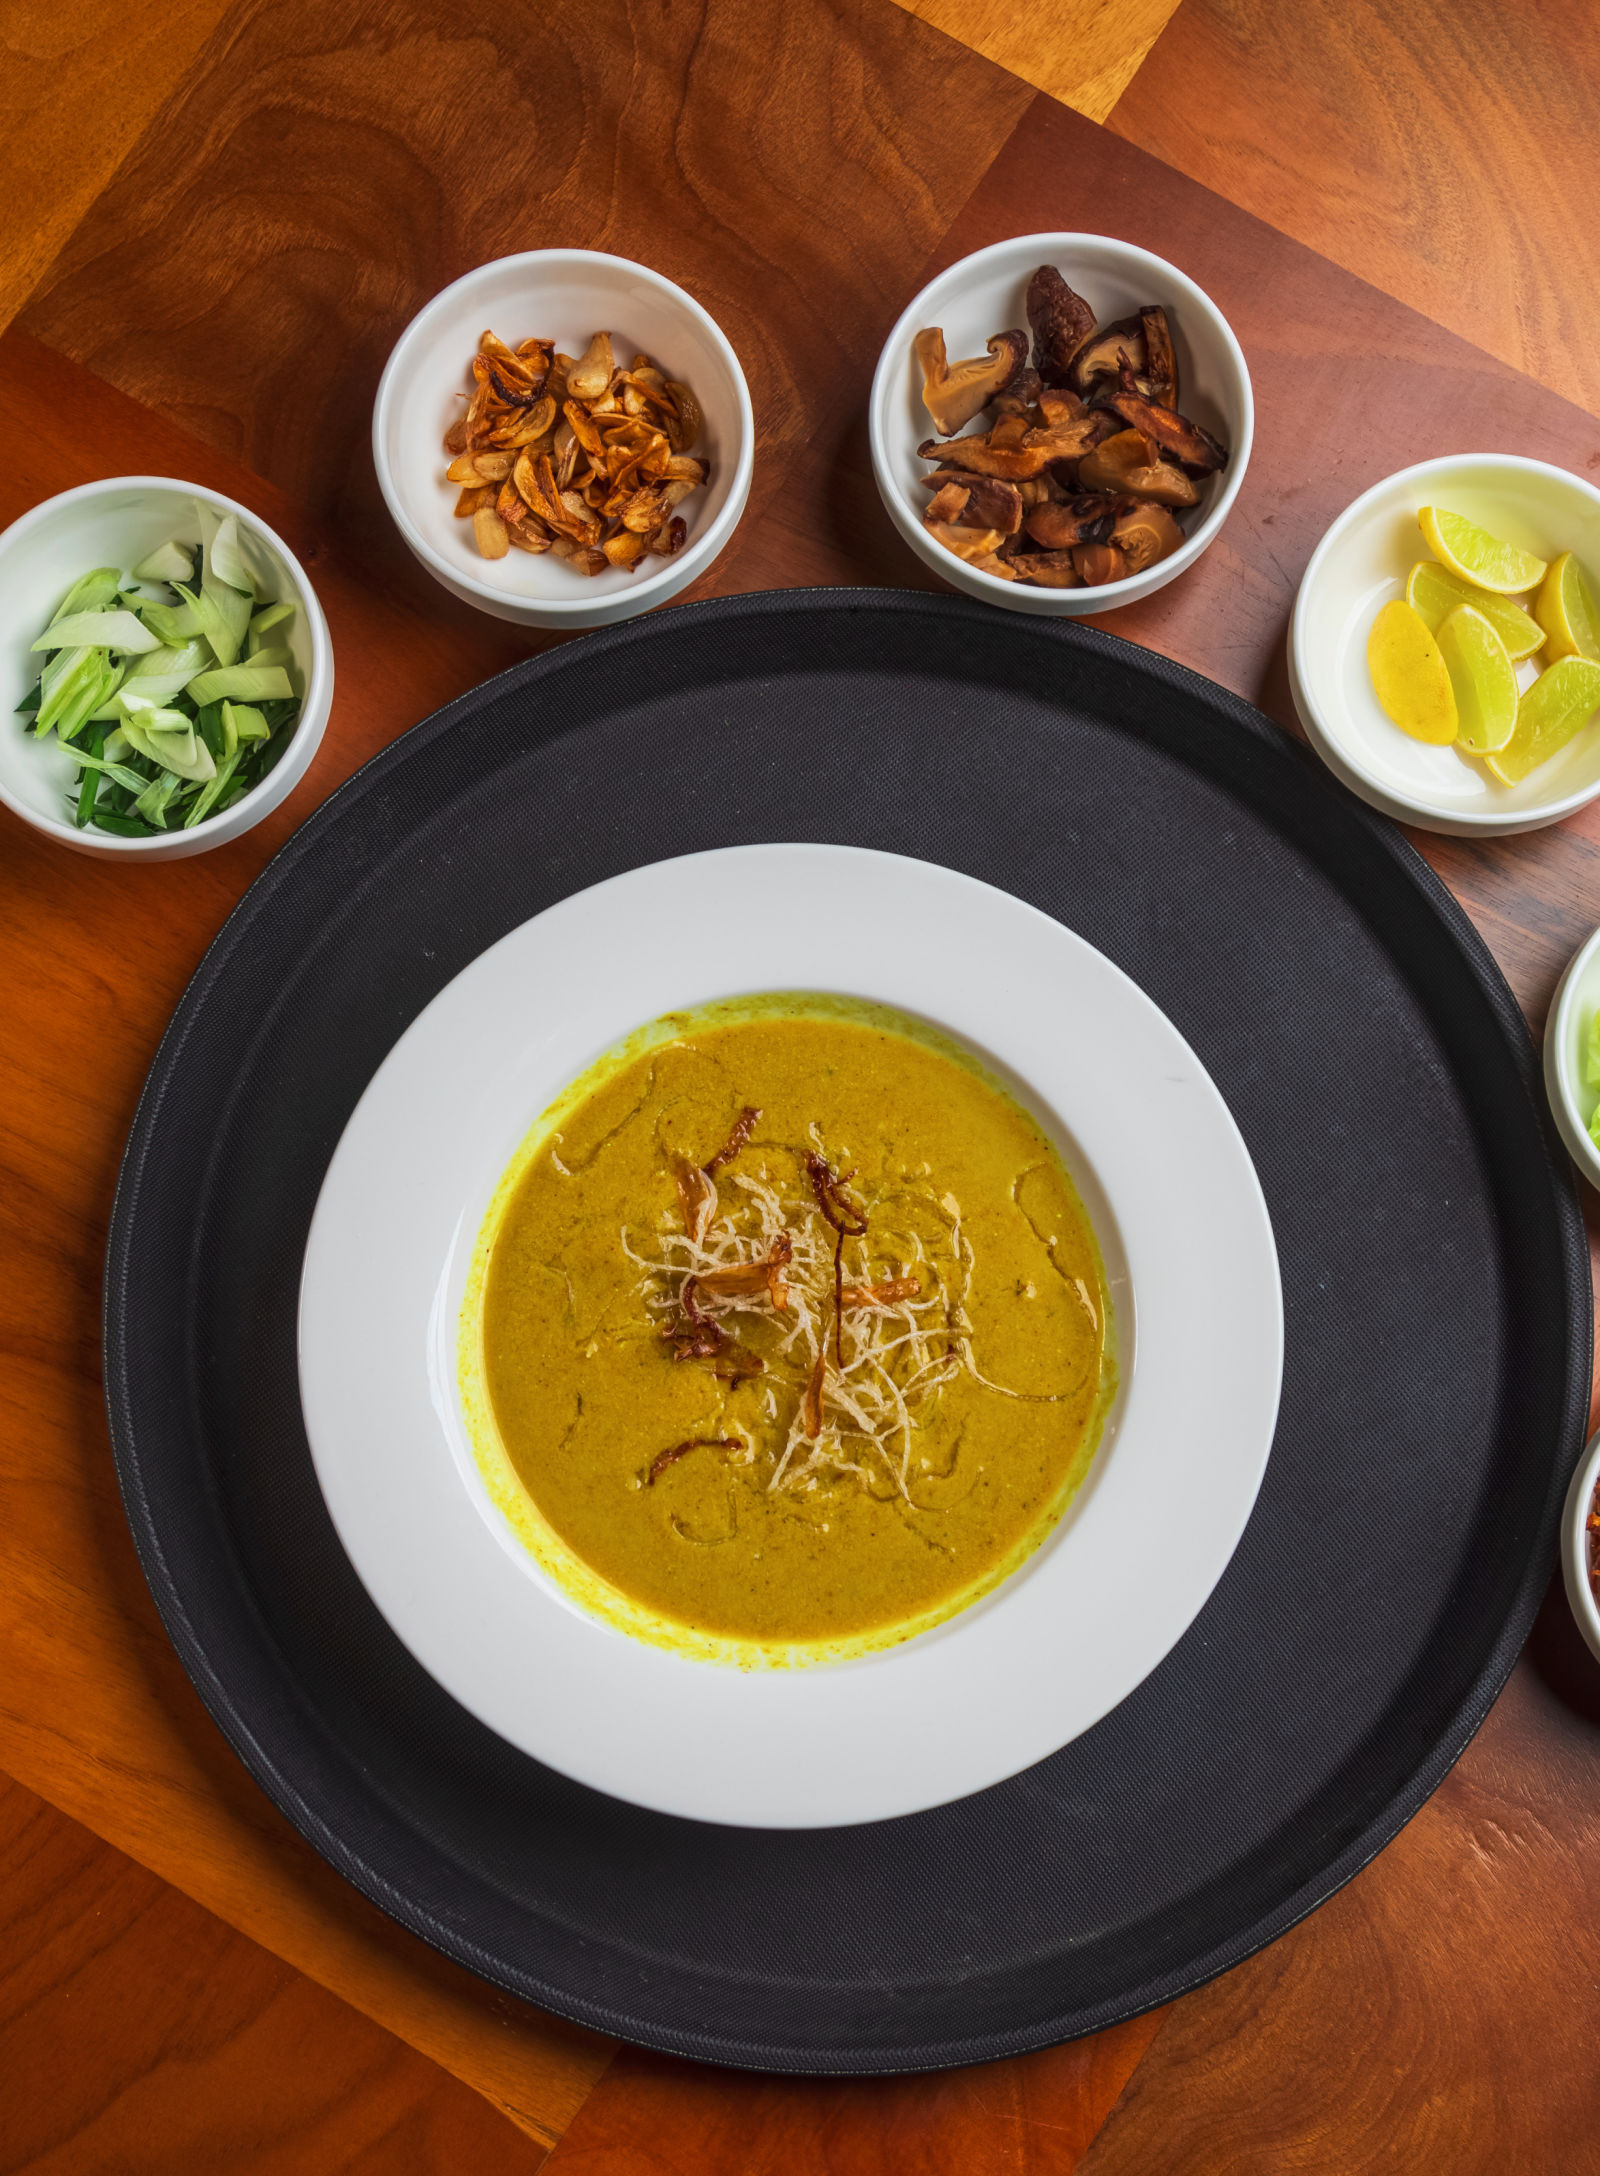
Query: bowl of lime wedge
point(1444, 654)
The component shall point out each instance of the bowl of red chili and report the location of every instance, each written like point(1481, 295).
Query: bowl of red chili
point(1580, 1545)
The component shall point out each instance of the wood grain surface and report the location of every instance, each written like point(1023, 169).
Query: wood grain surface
point(1446, 150)
point(79, 82)
point(1439, 2014)
point(140, 2036)
point(327, 167)
point(96, 1714)
point(310, 180)
point(1036, 2116)
point(1084, 52)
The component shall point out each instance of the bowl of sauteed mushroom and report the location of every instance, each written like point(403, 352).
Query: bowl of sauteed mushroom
point(1060, 423)
point(564, 438)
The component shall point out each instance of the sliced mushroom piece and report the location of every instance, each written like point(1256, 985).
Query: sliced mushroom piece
point(966, 543)
point(1160, 362)
point(1011, 430)
point(975, 456)
point(1127, 463)
point(1046, 570)
point(1087, 519)
point(948, 502)
point(1098, 564)
point(1059, 404)
point(1171, 434)
point(1144, 534)
point(991, 503)
point(994, 564)
point(1021, 394)
point(1061, 322)
point(953, 393)
point(589, 377)
point(1103, 354)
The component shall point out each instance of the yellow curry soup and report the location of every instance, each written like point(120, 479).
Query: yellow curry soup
point(788, 1333)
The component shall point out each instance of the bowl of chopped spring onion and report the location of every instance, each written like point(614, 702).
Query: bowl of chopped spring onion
point(1572, 1058)
point(167, 669)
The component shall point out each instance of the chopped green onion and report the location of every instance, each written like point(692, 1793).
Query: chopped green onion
point(174, 623)
point(176, 726)
point(270, 616)
point(224, 560)
point(245, 722)
point(96, 764)
point(241, 684)
point(172, 562)
point(90, 593)
point(182, 753)
point(74, 683)
point(98, 630)
point(89, 781)
point(209, 794)
point(159, 675)
point(221, 615)
point(152, 803)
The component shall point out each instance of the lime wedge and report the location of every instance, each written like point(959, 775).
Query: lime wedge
point(1484, 680)
point(1558, 705)
point(1565, 609)
point(1486, 561)
point(1435, 592)
point(1409, 676)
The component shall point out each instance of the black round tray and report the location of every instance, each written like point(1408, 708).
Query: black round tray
point(1436, 1292)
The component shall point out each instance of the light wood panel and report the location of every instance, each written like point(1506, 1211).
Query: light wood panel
point(79, 82)
point(1446, 150)
point(1439, 2013)
point(1084, 52)
point(95, 1712)
point(139, 2036)
point(1032, 2117)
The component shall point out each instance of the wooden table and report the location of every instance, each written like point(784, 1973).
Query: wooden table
point(223, 217)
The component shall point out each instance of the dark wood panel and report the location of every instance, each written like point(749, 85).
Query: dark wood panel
point(1032, 2117)
point(139, 2036)
point(1349, 385)
point(1437, 2015)
point(1443, 149)
point(325, 168)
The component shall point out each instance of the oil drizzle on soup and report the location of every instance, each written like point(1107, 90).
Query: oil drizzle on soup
point(792, 1327)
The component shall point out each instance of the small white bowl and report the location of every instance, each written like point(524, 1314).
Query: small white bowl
point(565, 295)
point(1361, 563)
point(983, 295)
point(1575, 1546)
point(1566, 1030)
point(118, 522)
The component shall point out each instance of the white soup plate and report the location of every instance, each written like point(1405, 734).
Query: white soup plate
point(1189, 1256)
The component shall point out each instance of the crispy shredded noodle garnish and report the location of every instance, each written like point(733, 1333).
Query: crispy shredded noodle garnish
point(852, 1368)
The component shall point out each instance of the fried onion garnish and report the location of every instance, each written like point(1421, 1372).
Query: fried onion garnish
point(591, 458)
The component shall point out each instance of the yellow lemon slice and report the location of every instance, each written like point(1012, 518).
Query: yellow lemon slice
point(1484, 680)
point(1479, 558)
point(1565, 609)
point(1409, 676)
point(1558, 705)
point(1435, 592)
